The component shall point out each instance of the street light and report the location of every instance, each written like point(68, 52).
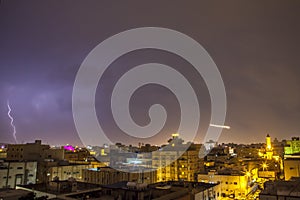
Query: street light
point(248, 174)
point(264, 165)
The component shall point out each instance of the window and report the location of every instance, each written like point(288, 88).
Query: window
point(235, 183)
point(19, 167)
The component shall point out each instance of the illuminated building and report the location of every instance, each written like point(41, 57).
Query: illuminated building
point(171, 169)
point(291, 166)
point(3, 152)
point(232, 184)
point(268, 152)
point(175, 135)
point(141, 160)
point(268, 143)
point(269, 149)
point(272, 165)
point(292, 146)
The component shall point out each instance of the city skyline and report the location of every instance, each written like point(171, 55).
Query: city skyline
point(254, 45)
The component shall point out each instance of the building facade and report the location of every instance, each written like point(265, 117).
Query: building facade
point(33, 151)
point(67, 171)
point(292, 146)
point(283, 190)
point(17, 173)
point(230, 185)
point(291, 166)
point(108, 175)
point(171, 169)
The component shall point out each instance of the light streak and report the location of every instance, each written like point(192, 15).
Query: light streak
point(219, 126)
point(12, 122)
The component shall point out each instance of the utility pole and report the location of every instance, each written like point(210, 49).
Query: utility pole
point(7, 175)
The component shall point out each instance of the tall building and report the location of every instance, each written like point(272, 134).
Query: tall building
point(269, 149)
point(171, 169)
point(268, 142)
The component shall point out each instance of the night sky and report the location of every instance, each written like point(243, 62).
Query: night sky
point(255, 45)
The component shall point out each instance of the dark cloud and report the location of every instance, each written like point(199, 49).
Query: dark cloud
point(255, 44)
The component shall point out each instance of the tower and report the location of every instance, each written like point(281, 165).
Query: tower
point(269, 150)
point(268, 143)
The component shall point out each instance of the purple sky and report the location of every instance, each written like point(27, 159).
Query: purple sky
point(255, 45)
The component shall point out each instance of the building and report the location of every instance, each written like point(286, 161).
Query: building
point(17, 173)
point(64, 172)
point(162, 191)
point(283, 190)
point(209, 145)
point(67, 189)
point(272, 162)
point(232, 184)
point(141, 160)
point(33, 151)
point(75, 154)
point(267, 152)
point(292, 146)
point(291, 166)
point(125, 190)
point(108, 175)
point(177, 162)
point(269, 148)
point(3, 153)
point(278, 147)
point(247, 151)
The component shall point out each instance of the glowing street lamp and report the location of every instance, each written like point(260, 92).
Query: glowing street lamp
point(248, 174)
point(264, 166)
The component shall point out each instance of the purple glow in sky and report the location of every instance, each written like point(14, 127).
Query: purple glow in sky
point(255, 45)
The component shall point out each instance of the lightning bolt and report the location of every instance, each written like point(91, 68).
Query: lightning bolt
point(12, 122)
